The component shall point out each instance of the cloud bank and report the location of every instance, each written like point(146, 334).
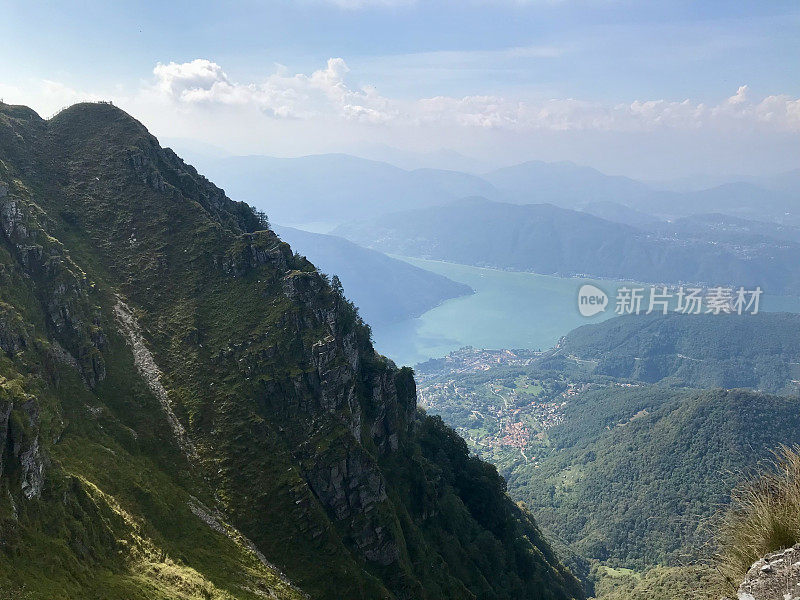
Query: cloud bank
point(328, 94)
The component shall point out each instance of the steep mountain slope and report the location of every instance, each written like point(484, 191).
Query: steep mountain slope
point(186, 403)
point(755, 351)
point(546, 239)
point(385, 289)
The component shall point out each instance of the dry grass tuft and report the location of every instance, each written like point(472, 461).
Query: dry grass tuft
point(763, 517)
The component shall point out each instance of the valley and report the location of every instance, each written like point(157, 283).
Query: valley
point(625, 469)
point(190, 410)
point(581, 456)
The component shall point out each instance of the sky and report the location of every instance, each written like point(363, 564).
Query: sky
point(651, 89)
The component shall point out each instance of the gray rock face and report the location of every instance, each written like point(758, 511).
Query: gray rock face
point(774, 577)
point(62, 283)
point(351, 490)
point(31, 461)
point(256, 249)
point(13, 334)
point(19, 443)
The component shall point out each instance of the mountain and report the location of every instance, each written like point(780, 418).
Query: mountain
point(577, 187)
point(330, 189)
point(760, 352)
point(741, 199)
point(334, 188)
point(619, 213)
point(385, 289)
point(189, 410)
point(545, 239)
point(443, 158)
point(564, 184)
point(727, 229)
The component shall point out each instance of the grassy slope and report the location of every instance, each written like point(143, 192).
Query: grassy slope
point(113, 520)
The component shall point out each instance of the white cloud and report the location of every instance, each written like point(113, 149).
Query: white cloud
point(187, 78)
point(327, 93)
point(323, 93)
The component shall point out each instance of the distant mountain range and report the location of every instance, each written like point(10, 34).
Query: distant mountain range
point(572, 186)
point(542, 238)
point(335, 188)
point(564, 184)
point(385, 289)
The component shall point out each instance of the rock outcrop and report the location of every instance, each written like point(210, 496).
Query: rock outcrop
point(774, 577)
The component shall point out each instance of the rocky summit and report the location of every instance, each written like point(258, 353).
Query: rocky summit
point(188, 409)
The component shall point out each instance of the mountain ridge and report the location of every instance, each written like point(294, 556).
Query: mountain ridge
point(287, 428)
point(335, 188)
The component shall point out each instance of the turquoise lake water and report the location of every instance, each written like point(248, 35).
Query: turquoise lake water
point(508, 310)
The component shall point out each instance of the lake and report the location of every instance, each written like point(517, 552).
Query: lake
point(508, 310)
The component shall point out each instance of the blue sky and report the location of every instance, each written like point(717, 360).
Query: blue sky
point(580, 78)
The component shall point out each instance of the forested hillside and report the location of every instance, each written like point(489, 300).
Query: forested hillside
point(613, 445)
point(760, 351)
point(636, 474)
